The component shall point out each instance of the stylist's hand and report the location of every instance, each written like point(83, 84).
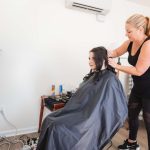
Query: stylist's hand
point(112, 63)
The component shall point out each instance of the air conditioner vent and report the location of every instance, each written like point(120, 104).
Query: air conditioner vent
point(98, 7)
point(86, 7)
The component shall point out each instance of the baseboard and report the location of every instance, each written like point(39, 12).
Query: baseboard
point(13, 132)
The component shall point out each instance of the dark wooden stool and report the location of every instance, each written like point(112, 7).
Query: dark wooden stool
point(52, 104)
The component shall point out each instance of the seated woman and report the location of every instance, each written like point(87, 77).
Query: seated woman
point(93, 114)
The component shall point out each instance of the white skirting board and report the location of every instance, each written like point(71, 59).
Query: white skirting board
point(13, 132)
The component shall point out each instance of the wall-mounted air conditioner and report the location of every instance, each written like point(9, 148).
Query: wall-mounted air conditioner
point(98, 7)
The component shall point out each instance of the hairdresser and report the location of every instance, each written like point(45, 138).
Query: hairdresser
point(137, 46)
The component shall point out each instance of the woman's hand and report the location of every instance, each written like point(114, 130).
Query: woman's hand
point(112, 63)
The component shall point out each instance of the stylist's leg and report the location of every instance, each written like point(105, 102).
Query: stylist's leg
point(134, 108)
point(146, 117)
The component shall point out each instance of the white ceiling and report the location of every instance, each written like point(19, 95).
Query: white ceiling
point(141, 2)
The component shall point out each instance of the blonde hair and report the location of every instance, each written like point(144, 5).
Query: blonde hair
point(138, 20)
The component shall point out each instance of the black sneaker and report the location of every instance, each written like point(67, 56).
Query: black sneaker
point(129, 146)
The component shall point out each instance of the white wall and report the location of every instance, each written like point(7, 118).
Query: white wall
point(43, 43)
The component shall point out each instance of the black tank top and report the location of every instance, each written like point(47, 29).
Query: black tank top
point(141, 83)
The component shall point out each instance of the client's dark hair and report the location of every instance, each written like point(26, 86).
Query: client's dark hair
point(100, 58)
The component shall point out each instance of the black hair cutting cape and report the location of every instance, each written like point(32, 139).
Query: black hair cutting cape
point(89, 120)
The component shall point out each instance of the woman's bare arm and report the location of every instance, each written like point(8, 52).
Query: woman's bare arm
point(119, 51)
point(142, 64)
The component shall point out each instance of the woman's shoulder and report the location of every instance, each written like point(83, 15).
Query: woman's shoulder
point(126, 43)
point(146, 45)
point(123, 47)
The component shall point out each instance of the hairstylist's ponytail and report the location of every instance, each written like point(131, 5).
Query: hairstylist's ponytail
point(148, 26)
